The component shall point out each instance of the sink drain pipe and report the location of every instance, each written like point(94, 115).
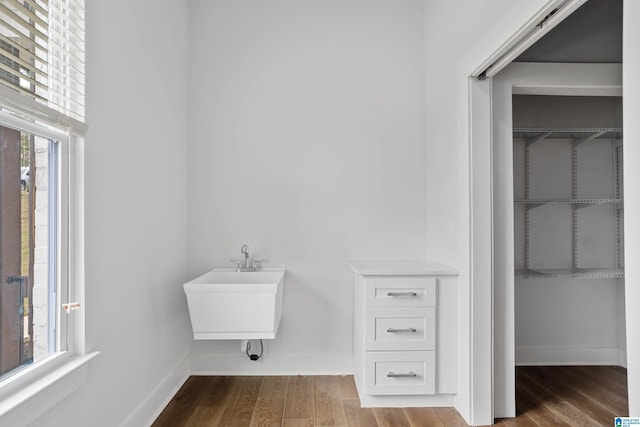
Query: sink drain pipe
point(254, 356)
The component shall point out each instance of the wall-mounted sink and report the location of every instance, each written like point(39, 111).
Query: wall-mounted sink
point(226, 304)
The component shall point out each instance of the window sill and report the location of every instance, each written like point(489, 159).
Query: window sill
point(37, 397)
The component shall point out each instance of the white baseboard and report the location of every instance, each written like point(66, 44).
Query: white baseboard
point(205, 364)
point(622, 357)
point(403, 401)
point(296, 364)
point(149, 409)
point(408, 401)
point(549, 356)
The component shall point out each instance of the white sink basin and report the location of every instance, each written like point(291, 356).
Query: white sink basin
point(219, 280)
point(225, 304)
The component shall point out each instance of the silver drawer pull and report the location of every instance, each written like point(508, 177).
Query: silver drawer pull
point(392, 330)
point(409, 374)
point(402, 294)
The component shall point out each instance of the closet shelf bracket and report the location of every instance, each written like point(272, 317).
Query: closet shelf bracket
point(588, 138)
point(536, 139)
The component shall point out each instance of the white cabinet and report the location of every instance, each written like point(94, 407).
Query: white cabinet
point(404, 333)
point(400, 372)
point(400, 328)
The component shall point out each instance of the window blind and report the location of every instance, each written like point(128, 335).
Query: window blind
point(42, 54)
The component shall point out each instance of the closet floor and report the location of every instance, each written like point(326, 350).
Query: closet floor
point(569, 395)
point(559, 395)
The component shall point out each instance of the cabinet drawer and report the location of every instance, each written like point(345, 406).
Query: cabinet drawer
point(404, 328)
point(401, 292)
point(407, 372)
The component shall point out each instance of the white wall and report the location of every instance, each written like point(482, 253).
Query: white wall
point(460, 35)
point(307, 143)
point(316, 105)
point(135, 209)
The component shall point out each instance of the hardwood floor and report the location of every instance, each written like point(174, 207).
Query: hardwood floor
point(546, 396)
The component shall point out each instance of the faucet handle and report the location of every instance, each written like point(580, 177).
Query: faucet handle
point(238, 264)
point(257, 264)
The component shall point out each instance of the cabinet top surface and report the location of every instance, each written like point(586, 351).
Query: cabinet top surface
point(401, 268)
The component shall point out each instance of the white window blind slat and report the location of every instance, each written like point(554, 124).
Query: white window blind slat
point(31, 80)
point(20, 22)
point(23, 54)
point(40, 6)
point(42, 52)
point(74, 47)
point(28, 108)
point(29, 9)
point(67, 44)
point(37, 6)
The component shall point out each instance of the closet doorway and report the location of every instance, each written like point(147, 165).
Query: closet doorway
point(544, 178)
point(568, 230)
point(558, 234)
point(491, 196)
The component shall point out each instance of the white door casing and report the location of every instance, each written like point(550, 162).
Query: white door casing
point(521, 78)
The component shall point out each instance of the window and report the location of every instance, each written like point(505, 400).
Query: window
point(28, 236)
point(41, 137)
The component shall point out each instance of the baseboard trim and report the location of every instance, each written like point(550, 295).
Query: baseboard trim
point(550, 356)
point(151, 407)
point(408, 401)
point(402, 401)
point(622, 357)
point(301, 364)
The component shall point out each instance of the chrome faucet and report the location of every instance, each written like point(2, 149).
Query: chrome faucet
point(245, 250)
point(247, 264)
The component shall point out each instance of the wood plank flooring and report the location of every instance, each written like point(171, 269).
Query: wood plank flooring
point(546, 396)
